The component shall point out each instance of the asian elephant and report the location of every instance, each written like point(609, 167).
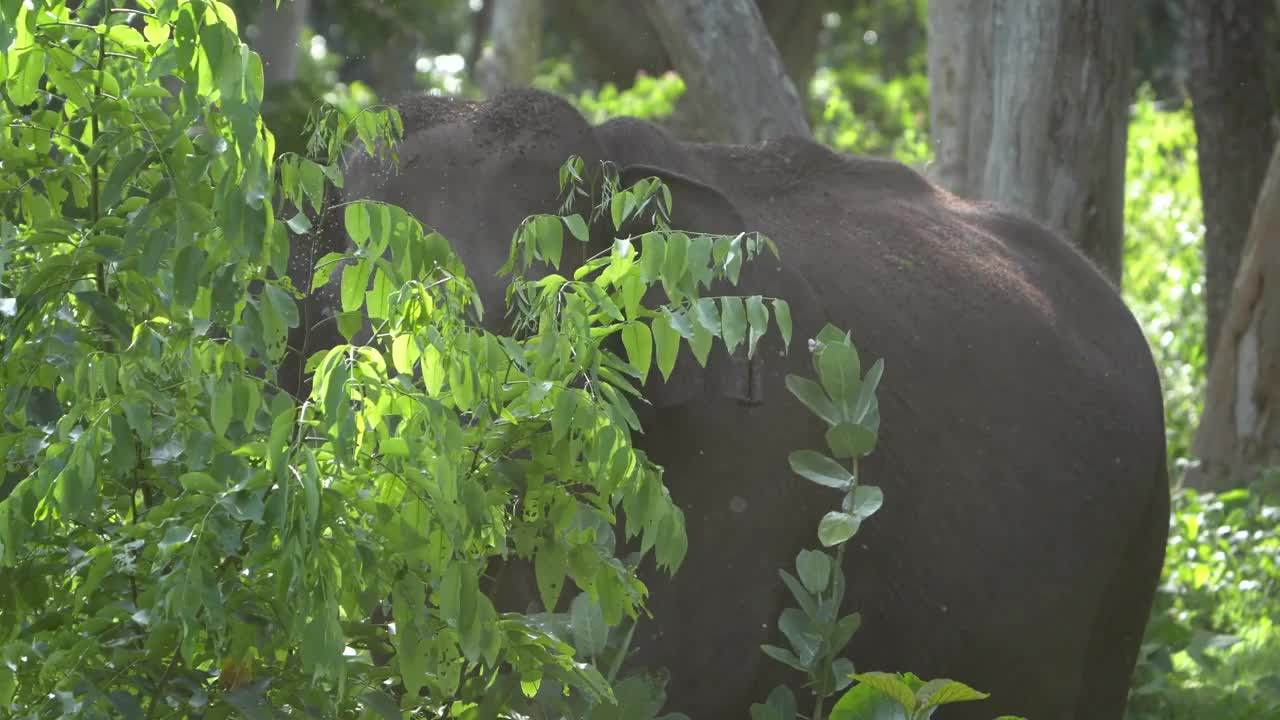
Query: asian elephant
point(1022, 445)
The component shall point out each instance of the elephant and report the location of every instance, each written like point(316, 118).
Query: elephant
point(1022, 442)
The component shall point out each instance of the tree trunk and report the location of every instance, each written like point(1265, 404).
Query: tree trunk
point(279, 32)
point(1239, 431)
point(617, 39)
point(960, 104)
point(1232, 108)
point(731, 67)
point(1058, 111)
point(515, 36)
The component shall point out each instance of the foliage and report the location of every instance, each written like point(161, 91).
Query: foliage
point(845, 400)
point(180, 537)
point(893, 122)
point(288, 108)
point(870, 91)
point(649, 97)
point(887, 696)
point(1212, 647)
point(1163, 264)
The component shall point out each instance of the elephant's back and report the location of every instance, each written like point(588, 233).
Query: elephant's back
point(1015, 375)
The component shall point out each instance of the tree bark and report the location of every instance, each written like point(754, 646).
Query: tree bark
point(1232, 108)
point(731, 67)
point(279, 32)
point(960, 103)
point(1239, 432)
point(515, 36)
point(617, 39)
point(1058, 110)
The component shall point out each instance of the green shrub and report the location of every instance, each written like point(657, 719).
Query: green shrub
point(1163, 264)
point(1212, 648)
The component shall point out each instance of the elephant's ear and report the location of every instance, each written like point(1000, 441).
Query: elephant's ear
point(698, 207)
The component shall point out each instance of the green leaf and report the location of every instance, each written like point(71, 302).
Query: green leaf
point(355, 279)
point(786, 657)
point(300, 224)
point(819, 468)
point(814, 567)
point(250, 700)
point(805, 637)
point(586, 622)
point(837, 527)
point(814, 398)
point(577, 227)
point(653, 254)
point(200, 482)
point(700, 344)
point(550, 235)
point(395, 447)
point(847, 440)
point(378, 298)
point(639, 346)
point(707, 315)
point(220, 408)
point(356, 221)
point(176, 536)
point(108, 313)
point(865, 501)
point(408, 595)
point(839, 370)
point(867, 392)
point(841, 673)
point(734, 318)
point(404, 353)
point(845, 628)
point(550, 565)
point(381, 703)
point(782, 315)
point(808, 603)
point(673, 265)
point(125, 703)
point(890, 685)
point(617, 208)
point(864, 702)
point(758, 317)
point(781, 705)
point(673, 543)
point(124, 171)
point(562, 415)
point(667, 344)
point(944, 692)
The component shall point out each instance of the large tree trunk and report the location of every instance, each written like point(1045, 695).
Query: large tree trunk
point(1239, 431)
point(960, 104)
point(1060, 90)
point(731, 67)
point(617, 39)
point(1232, 109)
point(515, 37)
point(279, 31)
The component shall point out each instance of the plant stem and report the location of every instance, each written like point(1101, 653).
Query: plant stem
point(839, 568)
point(100, 273)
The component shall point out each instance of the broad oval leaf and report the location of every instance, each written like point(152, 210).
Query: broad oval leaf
point(865, 501)
point(814, 567)
point(848, 440)
point(819, 468)
point(837, 527)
